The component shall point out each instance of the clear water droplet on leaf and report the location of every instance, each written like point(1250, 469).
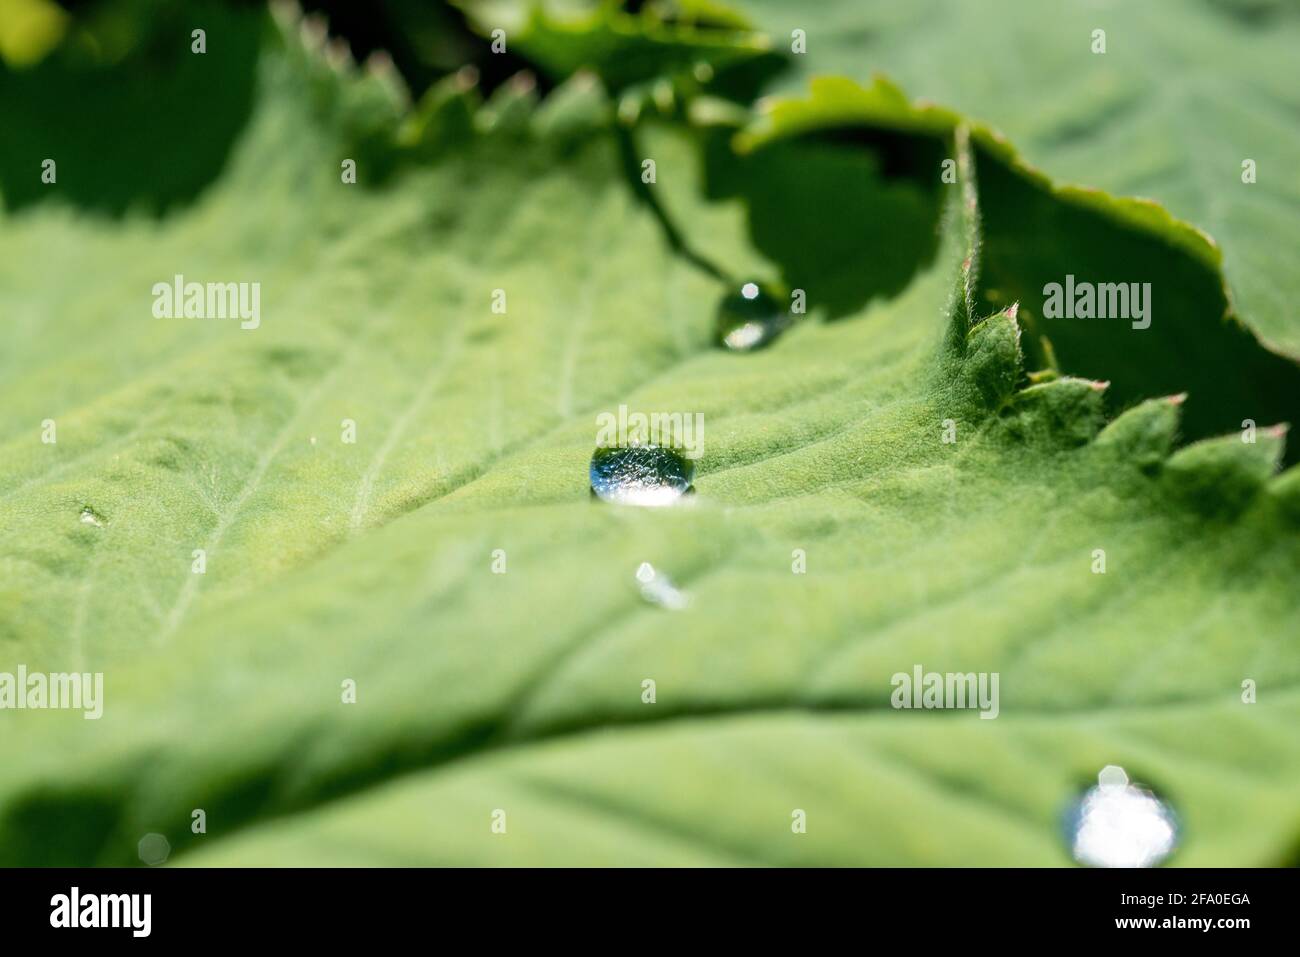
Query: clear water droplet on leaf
point(649, 475)
point(750, 318)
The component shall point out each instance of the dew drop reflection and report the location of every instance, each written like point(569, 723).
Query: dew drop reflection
point(658, 589)
point(647, 475)
point(1117, 824)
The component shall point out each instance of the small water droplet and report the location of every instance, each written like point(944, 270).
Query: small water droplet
point(154, 849)
point(658, 589)
point(640, 475)
point(1117, 824)
point(91, 517)
point(750, 319)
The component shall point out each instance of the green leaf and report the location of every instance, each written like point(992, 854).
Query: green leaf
point(1182, 96)
point(29, 30)
point(1036, 234)
point(372, 562)
point(660, 44)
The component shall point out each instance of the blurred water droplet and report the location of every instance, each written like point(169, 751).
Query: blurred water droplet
point(658, 589)
point(91, 517)
point(629, 108)
point(1112, 776)
point(1117, 824)
point(750, 319)
point(154, 849)
point(640, 475)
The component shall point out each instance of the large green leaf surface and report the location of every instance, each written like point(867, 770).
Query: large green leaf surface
point(373, 562)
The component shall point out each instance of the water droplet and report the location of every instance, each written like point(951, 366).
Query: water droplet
point(154, 849)
point(640, 475)
point(658, 589)
point(91, 517)
point(750, 319)
point(1117, 824)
